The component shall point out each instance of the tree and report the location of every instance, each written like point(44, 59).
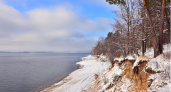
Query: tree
point(126, 21)
point(136, 21)
point(167, 13)
point(116, 1)
point(154, 38)
point(147, 5)
point(162, 27)
point(99, 48)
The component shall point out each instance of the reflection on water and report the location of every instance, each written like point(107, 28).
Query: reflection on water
point(24, 72)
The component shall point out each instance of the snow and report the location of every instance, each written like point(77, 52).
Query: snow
point(161, 79)
point(140, 59)
point(115, 72)
point(161, 66)
point(130, 57)
point(150, 51)
point(114, 77)
point(161, 83)
point(124, 85)
point(120, 60)
point(89, 57)
point(81, 79)
point(158, 64)
point(102, 58)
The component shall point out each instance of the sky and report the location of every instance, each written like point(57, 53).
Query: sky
point(53, 25)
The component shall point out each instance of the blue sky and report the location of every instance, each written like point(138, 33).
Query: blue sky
point(53, 25)
point(87, 7)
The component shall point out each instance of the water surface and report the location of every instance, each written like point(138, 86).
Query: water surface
point(25, 72)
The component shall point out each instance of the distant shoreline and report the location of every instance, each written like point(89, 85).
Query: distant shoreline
point(46, 52)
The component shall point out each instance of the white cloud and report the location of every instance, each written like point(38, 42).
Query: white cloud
point(102, 3)
point(59, 29)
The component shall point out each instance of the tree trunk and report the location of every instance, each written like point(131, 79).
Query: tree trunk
point(154, 39)
point(167, 12)
point(161, 27)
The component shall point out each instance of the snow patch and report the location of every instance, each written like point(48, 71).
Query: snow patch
point(150, 51)
point(120, 60)
point(161, 79)
point(129, 57)
point(140, 59)
point(158, 64)
point(111, 78)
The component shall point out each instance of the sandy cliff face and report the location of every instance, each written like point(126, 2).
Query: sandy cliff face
point(121, 77)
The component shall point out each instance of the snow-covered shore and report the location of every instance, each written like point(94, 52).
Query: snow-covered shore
point(80, 80)
point(131, 73)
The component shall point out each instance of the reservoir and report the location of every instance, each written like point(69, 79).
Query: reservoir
point(27, 72)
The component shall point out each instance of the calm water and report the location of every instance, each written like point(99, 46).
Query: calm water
point(25, 72)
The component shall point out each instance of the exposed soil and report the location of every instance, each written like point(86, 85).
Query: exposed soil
point(138, 75)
